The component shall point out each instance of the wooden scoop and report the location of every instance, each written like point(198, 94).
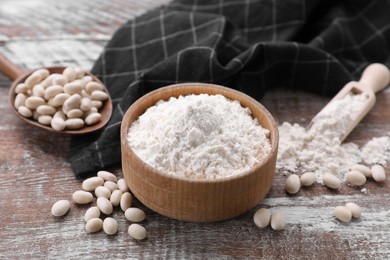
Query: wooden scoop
point(18, 75)
point(374, 78)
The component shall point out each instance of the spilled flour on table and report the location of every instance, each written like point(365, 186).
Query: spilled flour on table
point(319, 148)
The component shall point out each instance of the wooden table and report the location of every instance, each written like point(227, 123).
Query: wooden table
point(34, 172)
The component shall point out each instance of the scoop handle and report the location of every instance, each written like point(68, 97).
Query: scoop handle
point(375, 77)
point(9, 69)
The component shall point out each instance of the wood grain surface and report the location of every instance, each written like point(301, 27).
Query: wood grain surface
point(34, 172)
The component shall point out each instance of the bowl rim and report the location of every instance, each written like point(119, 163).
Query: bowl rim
point(125, 127)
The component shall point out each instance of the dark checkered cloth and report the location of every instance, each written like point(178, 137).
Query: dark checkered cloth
point(249, 45)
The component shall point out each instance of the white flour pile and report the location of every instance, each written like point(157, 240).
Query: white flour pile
point(320, 150)
point(201, 136)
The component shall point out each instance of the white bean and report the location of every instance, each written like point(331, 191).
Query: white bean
point(293, 184)
point(79, 72)
point(262, 217)
point(60, 80)
point(44, 73)
point(86, 80)
point(20, 99)
point(57, 124)
point(73, 101)
point(134, 215)
point(92, 212)
point(73, 87)
point(92, 183)
point(99, 95)
point(356, 211)
point(378, 173)
point(75, 113)
point(34, 102)
point(85, 104)
point(59, 99)
point(46, 110)
point(45, 119)
point(111, 185)
point(137, 231)
point(107, 176)
point(342, 213)
point(60, 114)
point(60, 208)
point(21, 88)
point(93, 118)
point(96, 103)
point(102, 191)
point(24, 111)
point(92, 86)
point(110, 226)
point(33, 79)
point(69, 73)
point(363, 169)
point(115, 198)
point(94, 225)
point(278, 221)
point(331, 181)
point(82, 197)
point(53, 91)
point(104, 205)
point(355, 178)
point(308, 178)
point(38, 91)
point(123, 185)
point(74, 123)
point(126, 201)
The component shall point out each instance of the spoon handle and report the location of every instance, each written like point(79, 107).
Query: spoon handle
point(9, 69)
point(375, 77)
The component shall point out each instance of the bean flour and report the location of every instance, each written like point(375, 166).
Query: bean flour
point(200, 136)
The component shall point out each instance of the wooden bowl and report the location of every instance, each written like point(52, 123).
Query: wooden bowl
point(105, 111)
point(190, 199)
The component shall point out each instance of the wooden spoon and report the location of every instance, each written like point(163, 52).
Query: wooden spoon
point(18, 75)
point(374, 78)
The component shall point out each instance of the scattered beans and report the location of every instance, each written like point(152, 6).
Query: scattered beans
point(134, 215)
point(362, 168)
point(102, 191)
point(92, 212)
point(111, 185)
point(82, 197)
point(104, 205)
point(137, 231)
point(342, 213)
point(308, 178)
point(115, 198)
point(278, 221)
point(126, 201)
point(92, 183)
point(378, 173)
point(110, 226)
point(355, 178)
point(77, 95)
point(293, 184)
point(262, 217)
point(331, 181)
point(123, 185)
point(60, 208)
point(94, 225)
point(355, 209)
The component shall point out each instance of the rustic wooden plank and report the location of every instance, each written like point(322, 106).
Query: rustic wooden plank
point(34, 172)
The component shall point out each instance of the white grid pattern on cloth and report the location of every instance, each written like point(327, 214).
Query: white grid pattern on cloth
point(224, 42)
